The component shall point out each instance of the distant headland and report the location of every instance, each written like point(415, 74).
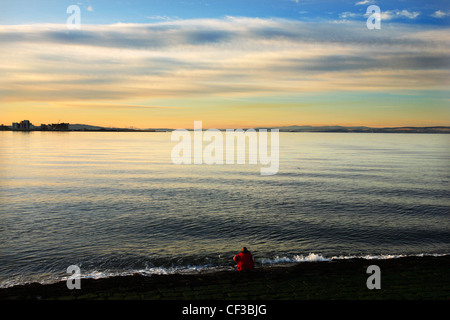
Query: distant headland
point(26, 125)
point(435, 129)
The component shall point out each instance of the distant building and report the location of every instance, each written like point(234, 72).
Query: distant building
point(23, 125)
point(27, 125)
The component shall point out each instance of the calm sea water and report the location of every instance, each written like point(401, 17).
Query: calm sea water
point(113, 203)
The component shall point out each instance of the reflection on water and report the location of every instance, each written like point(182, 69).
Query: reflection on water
point(114, 202)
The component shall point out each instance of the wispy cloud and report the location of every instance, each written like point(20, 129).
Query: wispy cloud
point(395, 14)
point(440, 14)
point(386, 15)
point(240, 34)
point(364, 2)
point(162, 17)
point(345, 15)
point(226, 58)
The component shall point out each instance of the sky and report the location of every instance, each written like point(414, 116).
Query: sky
point(230, 64)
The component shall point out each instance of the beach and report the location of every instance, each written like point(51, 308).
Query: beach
point(406, 278)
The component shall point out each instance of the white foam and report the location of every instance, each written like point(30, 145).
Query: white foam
point(313, 257)
point(189, 269)
point(149, 271)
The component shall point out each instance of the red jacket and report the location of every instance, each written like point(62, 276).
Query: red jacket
point(244, 261)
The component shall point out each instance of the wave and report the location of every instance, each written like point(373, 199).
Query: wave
point(193, 269)
point(312, 257)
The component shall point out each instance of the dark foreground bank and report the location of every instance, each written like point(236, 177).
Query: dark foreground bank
point(409, 278)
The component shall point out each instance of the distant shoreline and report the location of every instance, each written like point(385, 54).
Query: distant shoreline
point(292, 129)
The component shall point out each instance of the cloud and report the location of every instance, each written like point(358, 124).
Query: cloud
point(395, 14)
point(440, 14)
point(364, 2)
point(385, 15)
point(395, 61)
point(345, 15)
point(89, 8)
point(231, 32)
point(163, 17)
point(229, 57)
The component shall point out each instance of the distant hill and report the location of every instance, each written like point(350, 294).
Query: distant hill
point(322, 128)
point(86, 127)
point(82, 127)
point(294, 128)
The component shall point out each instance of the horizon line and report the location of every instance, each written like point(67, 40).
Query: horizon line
point(249, 127)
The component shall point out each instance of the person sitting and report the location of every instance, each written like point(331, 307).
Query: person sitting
point(244, 260)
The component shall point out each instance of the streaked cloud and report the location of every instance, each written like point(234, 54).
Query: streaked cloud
point(347, 14)
point(395, 14)
point(386, 15)
point(364, 2)
point(158, 67)
point(440, 14)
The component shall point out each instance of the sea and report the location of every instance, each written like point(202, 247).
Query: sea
point(114, 203)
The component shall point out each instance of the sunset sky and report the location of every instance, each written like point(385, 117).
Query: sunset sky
point(164, 64)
